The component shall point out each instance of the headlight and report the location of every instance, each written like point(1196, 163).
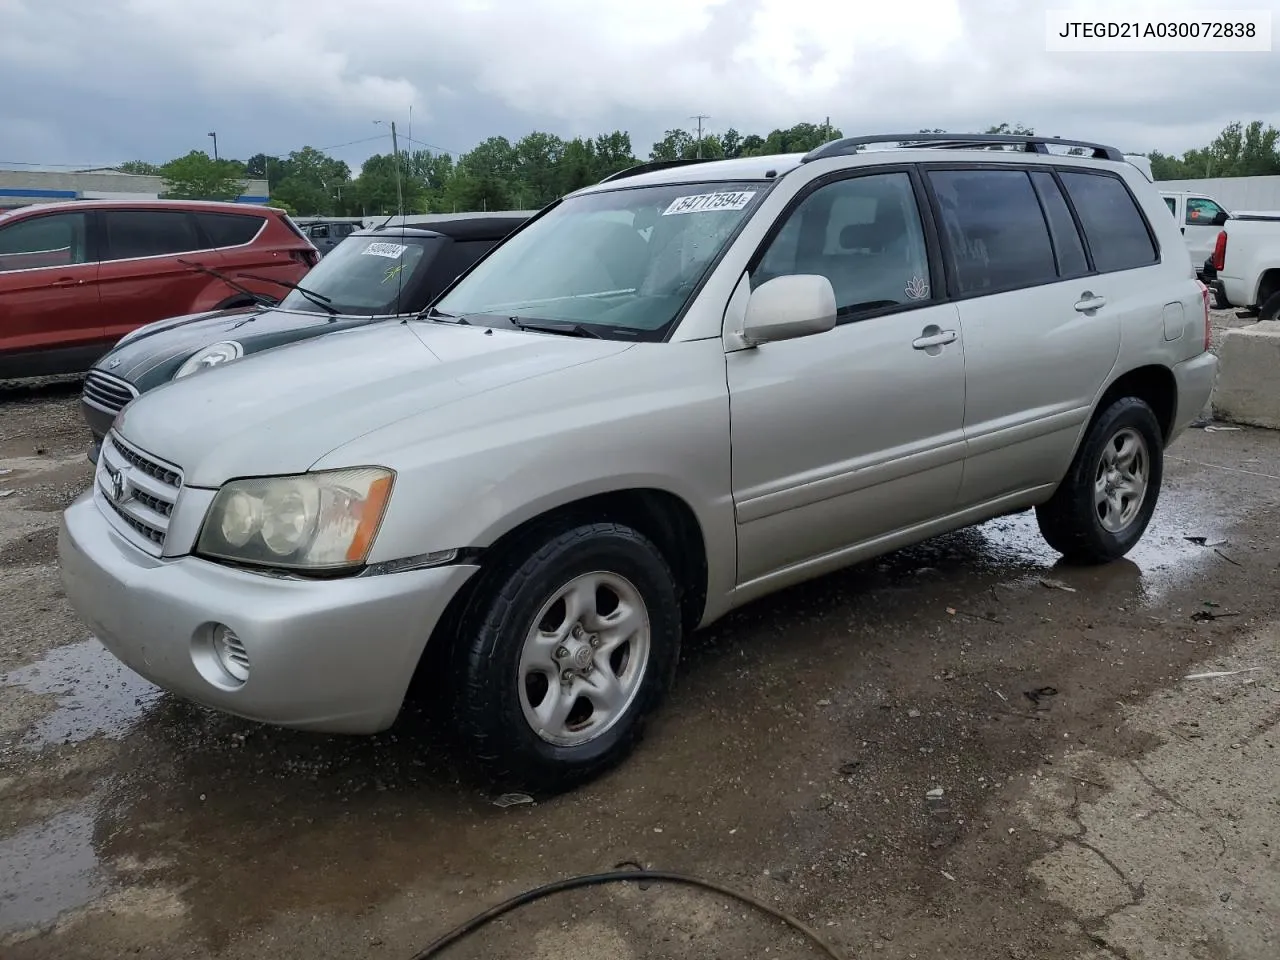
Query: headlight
point(210, 356)
point(314, 521)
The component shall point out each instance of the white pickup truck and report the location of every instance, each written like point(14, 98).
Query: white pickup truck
point(1200, 218)
point(1246, 257)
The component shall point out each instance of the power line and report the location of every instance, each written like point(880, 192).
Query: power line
point(433, 146)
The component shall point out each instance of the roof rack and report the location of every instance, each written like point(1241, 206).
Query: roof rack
point(650, 166)
point(949, 141)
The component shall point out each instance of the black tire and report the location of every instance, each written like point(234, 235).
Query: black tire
point(490, 710)
point(1270, 309)
point(1070, 521)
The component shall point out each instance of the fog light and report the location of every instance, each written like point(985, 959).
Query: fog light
point(231, 654)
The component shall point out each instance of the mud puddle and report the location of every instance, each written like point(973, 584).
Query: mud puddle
point(97, 695)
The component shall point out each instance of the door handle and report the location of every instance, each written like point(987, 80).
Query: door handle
point(1089, 302)
point(935, 339)
point(66, 282)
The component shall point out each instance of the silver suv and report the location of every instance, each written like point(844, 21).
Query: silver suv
point(667, 395)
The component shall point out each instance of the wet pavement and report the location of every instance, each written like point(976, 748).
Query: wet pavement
point(799, 759)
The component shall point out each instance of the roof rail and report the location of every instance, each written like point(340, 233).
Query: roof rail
point(957, 141)
point(650, 166)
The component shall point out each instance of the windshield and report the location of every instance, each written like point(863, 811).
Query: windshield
point(367, 275)
point(626, 259)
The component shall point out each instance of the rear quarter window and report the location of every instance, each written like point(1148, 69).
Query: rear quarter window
point(1115, 228)
point(229, 229)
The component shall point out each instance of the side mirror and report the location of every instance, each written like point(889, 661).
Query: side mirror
point(1221, 218)
point(788, 307)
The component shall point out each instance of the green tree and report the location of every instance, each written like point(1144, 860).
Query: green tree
point(139, 168)
point(731, 144)
point(197, 176)
point(311, 181)
point(536, 177)
point(674, 145)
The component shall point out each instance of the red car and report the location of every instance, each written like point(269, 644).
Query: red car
point(77, 276)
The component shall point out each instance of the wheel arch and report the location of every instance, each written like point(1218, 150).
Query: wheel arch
point(663, 517)
point(1153, 384)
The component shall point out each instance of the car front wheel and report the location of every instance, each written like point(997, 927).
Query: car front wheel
point(567, 648)
point(1103, 505)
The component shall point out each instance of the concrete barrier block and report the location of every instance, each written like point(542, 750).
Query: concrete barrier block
point(1248, 387)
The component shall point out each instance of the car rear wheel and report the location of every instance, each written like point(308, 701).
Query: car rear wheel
point(1103, 505)
point(567, 648)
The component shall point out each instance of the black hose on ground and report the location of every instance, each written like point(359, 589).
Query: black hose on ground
point(436, 947)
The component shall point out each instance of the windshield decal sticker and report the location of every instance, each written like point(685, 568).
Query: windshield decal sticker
point(917, 289)
point(390, 250)
point(709, 202)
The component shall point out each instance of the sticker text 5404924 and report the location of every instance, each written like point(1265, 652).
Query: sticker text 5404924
point(709, 202)
point(390, 250)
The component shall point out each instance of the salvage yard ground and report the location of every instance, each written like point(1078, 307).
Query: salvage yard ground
point(1095, 802)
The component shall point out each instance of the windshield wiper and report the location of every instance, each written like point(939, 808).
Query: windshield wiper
point(546, 326)
point(319, 299)
point(238, 287)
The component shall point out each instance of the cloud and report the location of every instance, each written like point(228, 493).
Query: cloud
point(276, 68)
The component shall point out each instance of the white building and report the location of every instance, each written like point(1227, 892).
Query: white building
point(19, 188)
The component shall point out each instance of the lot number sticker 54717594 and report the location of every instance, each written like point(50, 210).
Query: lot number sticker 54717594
point(709, 202)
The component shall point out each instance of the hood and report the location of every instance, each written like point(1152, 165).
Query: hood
point(280, 411)
point(152, 354)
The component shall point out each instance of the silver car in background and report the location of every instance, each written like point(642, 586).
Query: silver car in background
point(669, 394)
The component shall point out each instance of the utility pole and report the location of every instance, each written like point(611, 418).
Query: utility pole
point(215, 146)
point(700, 117)
point(395, 157)
point(395, 153)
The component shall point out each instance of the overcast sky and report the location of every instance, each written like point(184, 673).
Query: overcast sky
point(100, 81)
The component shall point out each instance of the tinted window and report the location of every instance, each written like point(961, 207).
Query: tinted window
point(1062, 227)
point(149, 233)
point(368, 276)
point(997, 238)
point(455, 259)
point(1172, 204)
point(1200, 212)
point(320, 231)
point(1113, 225)
point(229, 229)
point(864, 235)
point(57, 240)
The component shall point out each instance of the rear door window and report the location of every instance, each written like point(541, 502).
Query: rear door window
point(55, 240)
point(1114, 226)
point(229, 229)
point(1067, 245)
point(149, 233)
point(996, 234)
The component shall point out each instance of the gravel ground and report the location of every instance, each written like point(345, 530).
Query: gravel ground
point(1094, 802)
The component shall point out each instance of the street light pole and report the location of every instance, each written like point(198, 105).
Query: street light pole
point(215, 145)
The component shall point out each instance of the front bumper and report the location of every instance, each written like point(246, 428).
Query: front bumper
point(1194, 379)
point(325, 655)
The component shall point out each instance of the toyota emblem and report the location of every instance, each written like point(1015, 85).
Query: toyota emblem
point(117, 486)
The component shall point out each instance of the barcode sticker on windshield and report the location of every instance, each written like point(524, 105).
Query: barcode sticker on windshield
point(390, 250)
point(709, 202)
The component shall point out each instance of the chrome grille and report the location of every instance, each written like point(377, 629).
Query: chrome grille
point(136, 492)
point(106, 392)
